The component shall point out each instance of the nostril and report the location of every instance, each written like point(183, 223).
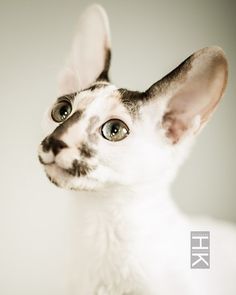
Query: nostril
point(53, 144)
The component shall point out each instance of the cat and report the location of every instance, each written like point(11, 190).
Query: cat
point(119, 151)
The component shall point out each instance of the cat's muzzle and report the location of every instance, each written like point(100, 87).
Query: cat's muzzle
point(56, 152)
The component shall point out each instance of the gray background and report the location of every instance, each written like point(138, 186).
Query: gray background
point(149, 39)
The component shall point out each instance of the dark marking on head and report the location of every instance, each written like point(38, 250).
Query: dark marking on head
point(63, 127)
point(86, 151)
point(79, 168)
point(52, 180)
point(53, 144)
point(178, 75)
point(131, 100)
point(92, 136)
point(104, 74)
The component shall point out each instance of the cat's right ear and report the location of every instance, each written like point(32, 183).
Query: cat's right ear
point(89, 59)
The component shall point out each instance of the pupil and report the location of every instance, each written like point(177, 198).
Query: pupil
point(114, 129)
point(63, 111)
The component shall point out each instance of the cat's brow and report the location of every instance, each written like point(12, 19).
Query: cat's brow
point(69, 97)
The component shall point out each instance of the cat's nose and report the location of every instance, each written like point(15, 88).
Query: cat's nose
point(52, 144)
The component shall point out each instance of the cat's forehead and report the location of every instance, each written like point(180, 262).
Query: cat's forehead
point(99, 95)
point(101, 99)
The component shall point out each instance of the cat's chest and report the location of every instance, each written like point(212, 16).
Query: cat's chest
point(105, 255)
point(118, 247)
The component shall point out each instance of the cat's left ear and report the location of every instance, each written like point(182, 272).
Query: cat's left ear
point(191, 92)
point(89, 59)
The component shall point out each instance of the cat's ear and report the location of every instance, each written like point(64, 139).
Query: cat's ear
point(89, 59)
point(191, 92)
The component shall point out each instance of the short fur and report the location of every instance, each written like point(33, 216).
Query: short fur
point(128, 236)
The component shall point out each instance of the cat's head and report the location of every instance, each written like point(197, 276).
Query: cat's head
point(98, 134)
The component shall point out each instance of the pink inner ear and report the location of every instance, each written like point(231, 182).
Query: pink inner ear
point(182, 108)
point(174, 126)
point(198, 94)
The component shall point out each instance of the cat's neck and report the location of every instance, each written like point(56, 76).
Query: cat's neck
point(131, 202)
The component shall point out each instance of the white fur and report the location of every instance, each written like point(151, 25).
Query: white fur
point(135, 241)
point(127, 236)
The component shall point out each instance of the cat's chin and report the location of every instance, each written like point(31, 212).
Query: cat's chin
point(61, 178)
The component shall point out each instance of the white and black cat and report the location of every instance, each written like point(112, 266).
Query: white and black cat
point(119, 150)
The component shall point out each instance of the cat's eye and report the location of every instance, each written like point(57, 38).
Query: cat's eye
point(114, 130)
point(61, 111)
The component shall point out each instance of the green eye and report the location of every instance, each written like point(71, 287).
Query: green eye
point(114, 130)
point(61, 111)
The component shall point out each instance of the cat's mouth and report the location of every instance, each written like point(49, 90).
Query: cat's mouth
point(75, 178)
point(77, 169)
point(67, 161)
point(67, 170)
